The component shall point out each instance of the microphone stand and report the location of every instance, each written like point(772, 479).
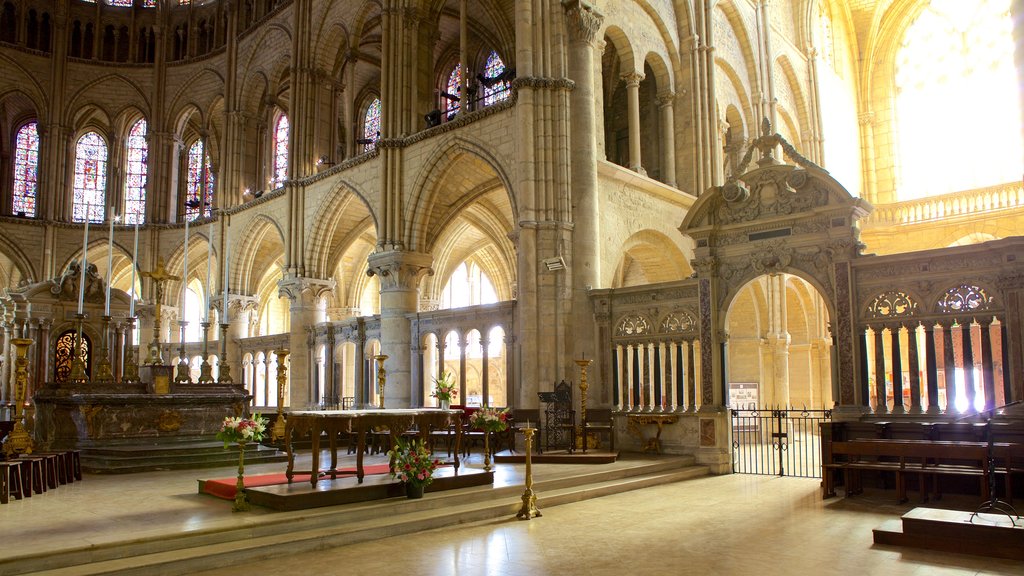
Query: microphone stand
point(994, 504)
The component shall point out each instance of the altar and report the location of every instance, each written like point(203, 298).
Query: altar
point(359, 422)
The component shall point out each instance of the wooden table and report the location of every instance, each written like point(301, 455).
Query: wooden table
point(653, 444)
point(334, 422)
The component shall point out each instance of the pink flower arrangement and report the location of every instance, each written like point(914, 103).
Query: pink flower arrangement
point(237, 430)
point(412, 463)
point(490, 419)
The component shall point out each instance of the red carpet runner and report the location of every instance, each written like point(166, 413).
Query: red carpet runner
point(225, 487)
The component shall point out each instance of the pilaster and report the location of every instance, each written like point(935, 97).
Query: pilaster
point(303, 293)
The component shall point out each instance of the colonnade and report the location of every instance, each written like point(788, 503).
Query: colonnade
point(656, 376)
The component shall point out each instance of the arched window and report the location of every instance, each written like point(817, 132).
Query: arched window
point(957, 56)
point(371, 125)
point(199, 180)
point(468, 286)
point(495, 85)
point(452, 92)
point(90, 178)
point(281, 150)
point(26, 167)
point(136, 153)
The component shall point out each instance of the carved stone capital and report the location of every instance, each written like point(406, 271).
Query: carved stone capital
point(666, 98)
point(582, 20)
point(294, 287)
point(706, 266)
point(399, 269)
point(633, 79)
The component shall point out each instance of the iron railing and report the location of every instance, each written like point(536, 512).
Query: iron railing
point(777, 441)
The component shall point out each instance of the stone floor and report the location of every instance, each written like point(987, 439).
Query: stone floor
point(714, 525)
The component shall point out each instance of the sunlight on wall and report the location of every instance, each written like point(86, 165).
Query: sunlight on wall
point(468, 286)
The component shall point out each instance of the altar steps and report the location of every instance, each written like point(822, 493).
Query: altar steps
point(171, 454)
point(253, 537)
point(990, 534)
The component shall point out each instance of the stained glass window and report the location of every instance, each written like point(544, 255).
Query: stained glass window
point(127, 3)
point(135, 174)
point(957, 56)
point(90, 178)
point(371, 125)
point(451, 102)
point(281, 150)
point(149, 4)
point(26, 166)
point(494, 90)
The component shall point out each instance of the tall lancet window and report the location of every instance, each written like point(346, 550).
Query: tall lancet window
point(26, 167)
point(90, 187)
point(451, 97)
point(496, 87)
point(371, 125)
point(280, 150)
point(199, 180)
point(957, 96)
point(136, 153)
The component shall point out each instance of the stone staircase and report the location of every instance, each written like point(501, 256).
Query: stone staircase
point(256, 537)
point(171, 454)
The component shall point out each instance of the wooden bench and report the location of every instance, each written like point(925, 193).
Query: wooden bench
point(923, 458)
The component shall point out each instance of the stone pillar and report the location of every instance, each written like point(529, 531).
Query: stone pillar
point(949, 373)
point(931, 368)
point(914, 370)
point(633, 80)
point(988, 378)
point(303, 294)
point(666, 102)
point(880, 403)
point(400, 273)
point(6, 374)
point(967, 347)
point(464, 105)
point(897, 369)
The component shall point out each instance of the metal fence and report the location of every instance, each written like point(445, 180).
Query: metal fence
point(777, 441)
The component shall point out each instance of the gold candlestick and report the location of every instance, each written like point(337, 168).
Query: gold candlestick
point(381, 378)
point(184, 374)
point(529, 509)
point(18, 440)
point(206, 369)
point(79, 374)
point(225, 369)
point(131, 367)
point(581, 432)
point(282, 382)
point(103, 368)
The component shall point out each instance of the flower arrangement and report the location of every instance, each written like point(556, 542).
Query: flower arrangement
point(490, 419)
point(238, 430)
point(412, 463)
point(445, 387)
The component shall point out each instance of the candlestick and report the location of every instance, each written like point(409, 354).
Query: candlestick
point(184, 276)
point(85, 250)
point(209, 279)
point(110, 263)
point(227, 268)
point(135, 260)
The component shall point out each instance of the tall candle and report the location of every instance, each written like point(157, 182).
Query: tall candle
point(209, 279)
point(227, 268)
point(85, 250)
point(184, 276)
point(110, 263)
point(135, 263)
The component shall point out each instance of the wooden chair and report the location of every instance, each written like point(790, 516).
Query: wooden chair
point(599, 421)
point(10, 481)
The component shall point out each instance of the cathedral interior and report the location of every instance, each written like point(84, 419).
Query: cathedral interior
point(695, 206)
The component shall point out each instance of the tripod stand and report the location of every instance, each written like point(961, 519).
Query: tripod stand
point(994, 505)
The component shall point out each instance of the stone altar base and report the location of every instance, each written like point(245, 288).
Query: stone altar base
point(989, 534)
point(302, 495)
point(558, 457)
point(127, 428)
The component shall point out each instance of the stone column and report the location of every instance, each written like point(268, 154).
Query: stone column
point(6, 374)
point(633, 80)
point(949, 372)
point(400, 273)
point(931, 368)
point(897, 369)
point(666, 102)
point(880, 404)
point(988, 378)
point(303, 293)
point(967, 347)
point(914, 370)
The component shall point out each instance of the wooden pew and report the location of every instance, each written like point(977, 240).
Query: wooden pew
point(924, 458)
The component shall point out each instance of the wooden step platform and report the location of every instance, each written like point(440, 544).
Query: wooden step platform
point(954, 531)
point(558, 457)
point(302, 495)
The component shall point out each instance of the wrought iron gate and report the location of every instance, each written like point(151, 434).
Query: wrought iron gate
point(777, 441)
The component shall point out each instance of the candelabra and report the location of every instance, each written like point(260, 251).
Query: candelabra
point(103, 369)
point(581, 432)
point(131, 367)
point(182, 374)
point(225, 369)
point(381, 378)
point(18, 441)
point(282, 383)
point(78, 368)
point(206, 369)
point(529, 508)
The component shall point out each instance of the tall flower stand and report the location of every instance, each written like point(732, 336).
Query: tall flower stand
point(241, 504)
point(487, 451)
